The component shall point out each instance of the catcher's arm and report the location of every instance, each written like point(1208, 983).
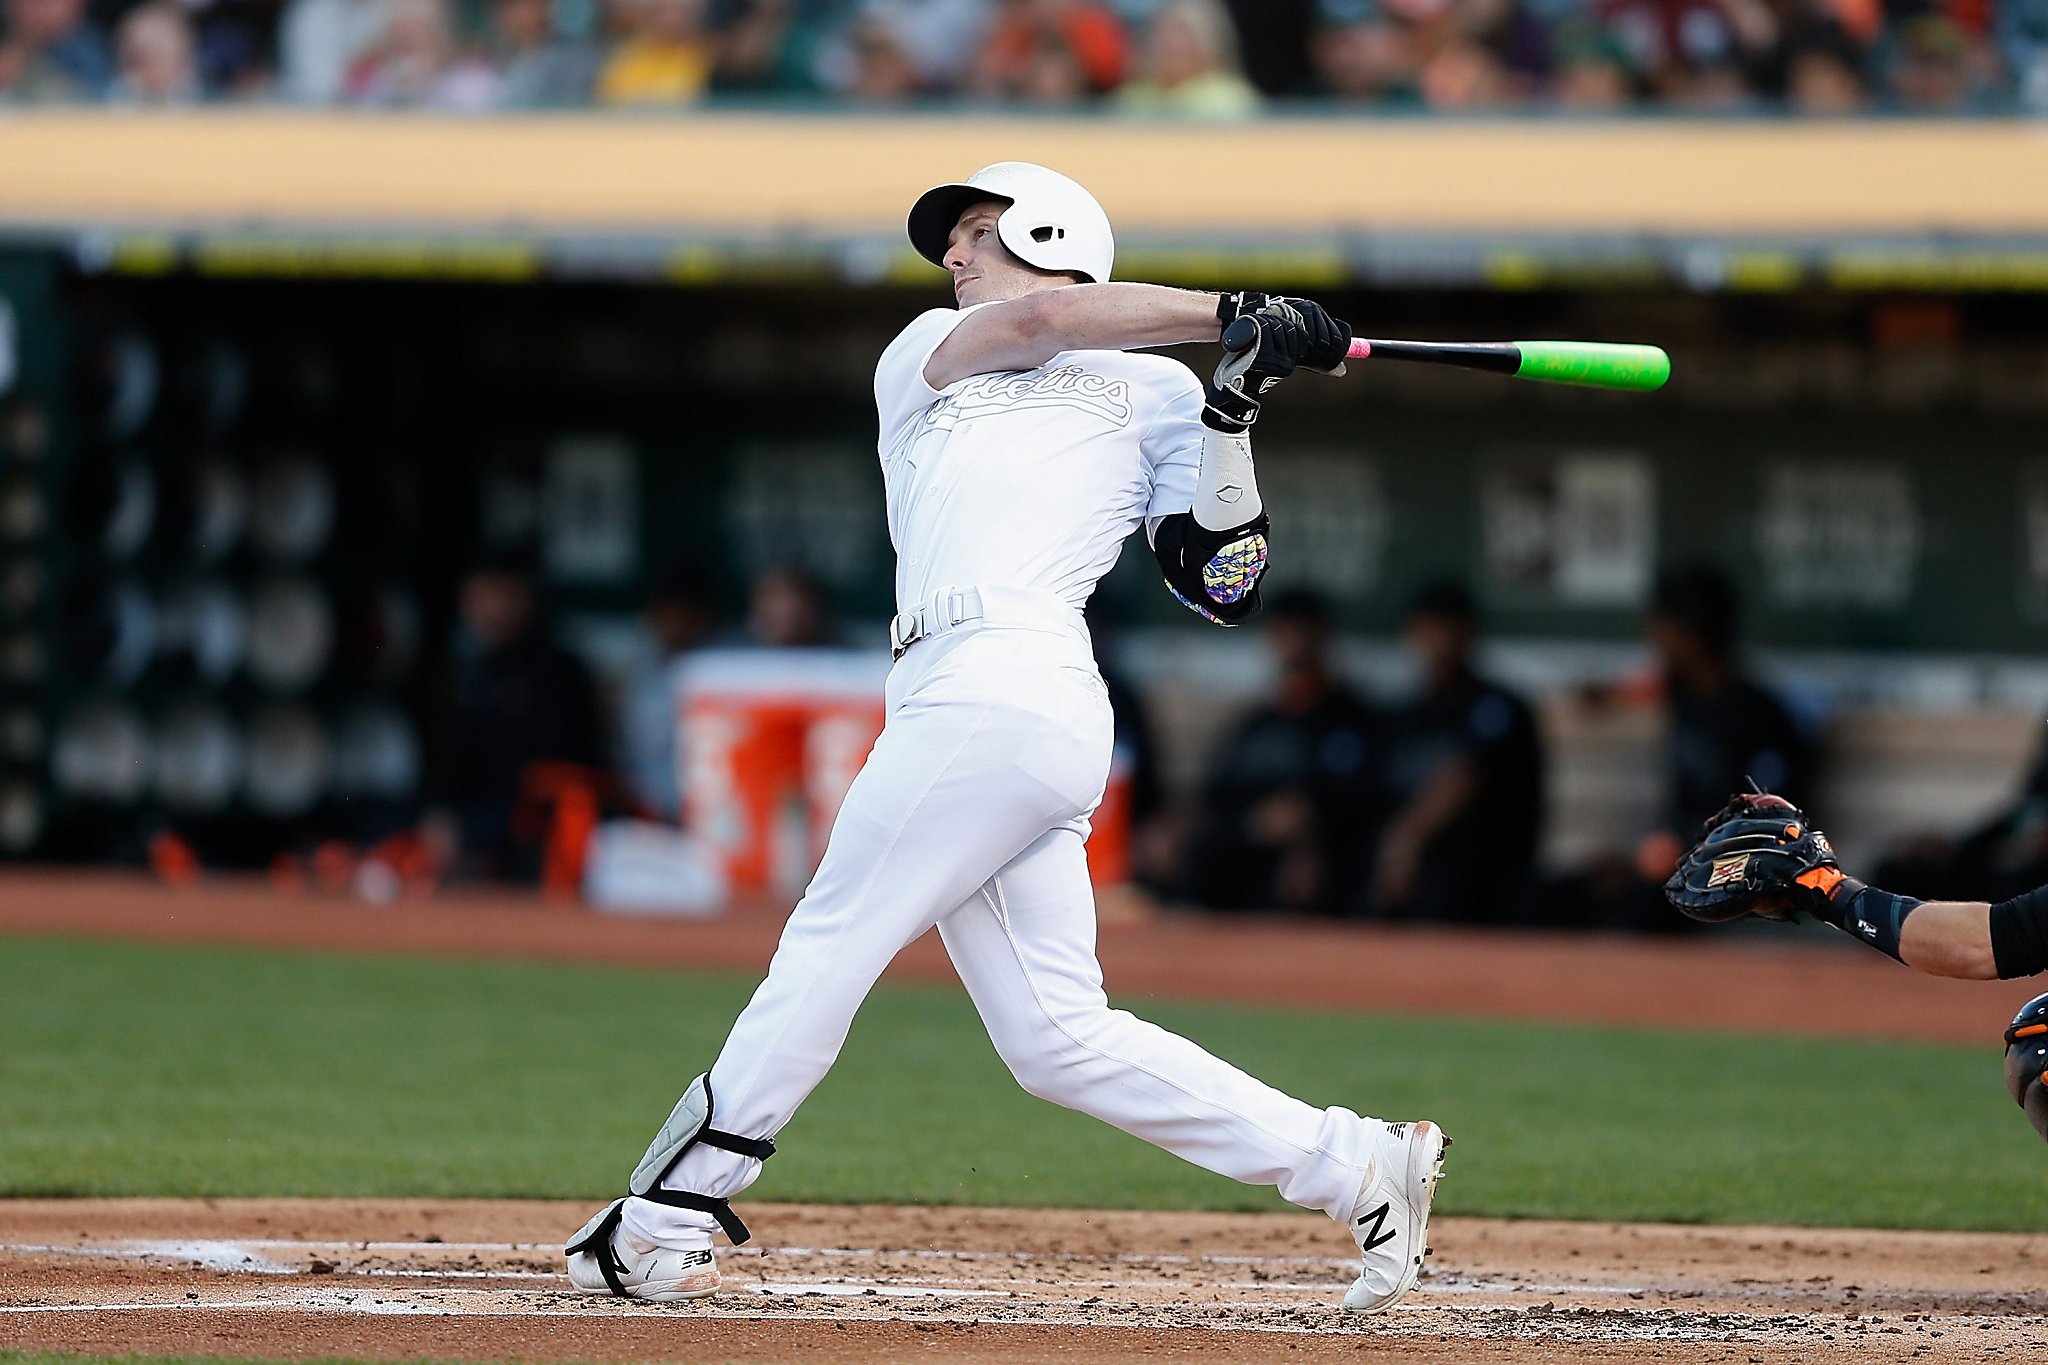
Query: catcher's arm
point(1760, 856)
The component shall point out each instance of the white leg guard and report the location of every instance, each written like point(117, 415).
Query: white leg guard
point(688, 1126)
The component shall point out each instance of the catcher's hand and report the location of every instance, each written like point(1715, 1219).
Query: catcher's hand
point(1759, 856)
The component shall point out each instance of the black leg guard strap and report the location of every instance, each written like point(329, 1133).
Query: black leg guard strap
point(2019, 935)
point(719, 1209)
point(599, 1245)
point(760, 1149)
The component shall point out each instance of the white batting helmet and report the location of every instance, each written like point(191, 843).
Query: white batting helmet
point(1051, 222)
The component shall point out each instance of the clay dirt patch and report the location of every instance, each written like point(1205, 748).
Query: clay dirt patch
point(482, 1280)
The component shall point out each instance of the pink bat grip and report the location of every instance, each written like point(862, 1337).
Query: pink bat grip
point(1360, 349)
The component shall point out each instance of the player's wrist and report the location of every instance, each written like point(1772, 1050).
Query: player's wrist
point(1227, 410)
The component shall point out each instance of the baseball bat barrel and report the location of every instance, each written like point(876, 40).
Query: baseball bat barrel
point(1588, 364)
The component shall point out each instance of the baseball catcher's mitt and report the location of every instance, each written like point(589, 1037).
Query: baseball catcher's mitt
point(1759, 856)
point(2026, 1058)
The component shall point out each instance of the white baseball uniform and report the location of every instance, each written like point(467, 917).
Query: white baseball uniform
point(1009, 496)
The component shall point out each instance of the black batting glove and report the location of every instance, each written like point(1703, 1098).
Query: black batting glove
point(1260, 350)
point(1329, 338)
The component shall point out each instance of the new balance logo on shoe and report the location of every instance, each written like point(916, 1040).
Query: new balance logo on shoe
point(1377, 1236)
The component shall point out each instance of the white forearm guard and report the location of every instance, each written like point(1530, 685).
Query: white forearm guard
point(1226, 489)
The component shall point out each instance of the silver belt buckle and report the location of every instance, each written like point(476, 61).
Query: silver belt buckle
point(903, 633)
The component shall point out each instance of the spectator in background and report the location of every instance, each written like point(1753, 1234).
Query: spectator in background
point(319, 41)
point(2022, 32)
point(1823, 77)
point(875, 63)
point(893, 50)
point(1050, 52)
point(681, 615)
point(157, 64)
point(538, 67)
point(1934, 65)
point(50, 50)
point(1726, 728)
point(1273, 39)
point(1362, 55)
point(415, 63)
point(664, 55)
point(1288, 807)
point(1589, 71)
point(1188, 68)
point(235, 44)
point(1694, 54)
point(1463, 773)
point(518, 699)
point(786, 609)
point(766, 47)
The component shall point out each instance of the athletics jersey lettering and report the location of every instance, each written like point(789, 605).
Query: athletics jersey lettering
point(1068, 386)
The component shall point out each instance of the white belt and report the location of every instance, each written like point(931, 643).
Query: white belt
point(1014, 608)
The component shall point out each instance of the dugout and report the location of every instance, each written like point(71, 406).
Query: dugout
point(463, 333)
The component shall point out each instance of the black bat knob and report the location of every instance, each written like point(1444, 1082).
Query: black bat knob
point(1241, 335)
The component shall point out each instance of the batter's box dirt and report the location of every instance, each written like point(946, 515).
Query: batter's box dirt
point(482, 1280)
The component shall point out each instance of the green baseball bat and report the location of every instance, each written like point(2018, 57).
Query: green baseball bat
point(1588, 364)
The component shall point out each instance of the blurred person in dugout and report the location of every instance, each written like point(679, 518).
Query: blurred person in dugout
point(787, 609)
point(663, 53)
point(1462, 769)
point(1723, 730)
point(1188, 66)
point(51, 50)
point(1052, 52)
point(2004, 856)
point(680, 618)
point(1288, 810)
point(520, 723)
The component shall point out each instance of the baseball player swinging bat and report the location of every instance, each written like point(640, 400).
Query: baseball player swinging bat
point(1024, 435)
point(1587, 364)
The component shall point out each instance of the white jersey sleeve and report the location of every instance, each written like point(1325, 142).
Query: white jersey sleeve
point(901, 392)
point(1173, 450)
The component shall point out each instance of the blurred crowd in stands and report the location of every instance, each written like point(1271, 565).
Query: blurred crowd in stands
point(1203, 59)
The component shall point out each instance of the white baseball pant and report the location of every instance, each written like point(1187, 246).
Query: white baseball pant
point(971, 814)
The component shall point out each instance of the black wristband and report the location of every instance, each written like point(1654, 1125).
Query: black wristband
point(1235, 303)
point(2019, 935)
point(1868, 915)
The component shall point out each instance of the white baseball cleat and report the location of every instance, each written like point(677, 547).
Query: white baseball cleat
point(1390, 1219)
point(625, 1265)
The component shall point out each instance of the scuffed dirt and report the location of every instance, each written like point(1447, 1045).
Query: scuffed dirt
point(482, 1280)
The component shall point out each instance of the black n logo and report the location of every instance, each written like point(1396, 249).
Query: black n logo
point(1378, 1236)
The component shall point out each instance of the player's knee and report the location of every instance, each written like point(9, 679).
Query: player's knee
point(1049, 1056)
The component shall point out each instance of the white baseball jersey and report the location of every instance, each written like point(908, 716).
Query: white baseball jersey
point(1029, 478)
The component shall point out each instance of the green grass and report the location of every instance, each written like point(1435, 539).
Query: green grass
point(129, 1070)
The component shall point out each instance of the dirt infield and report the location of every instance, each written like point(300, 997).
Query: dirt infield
point(482, 1280)
point(1765, 983)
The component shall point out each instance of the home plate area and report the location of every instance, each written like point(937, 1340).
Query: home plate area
point(483, 1280)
